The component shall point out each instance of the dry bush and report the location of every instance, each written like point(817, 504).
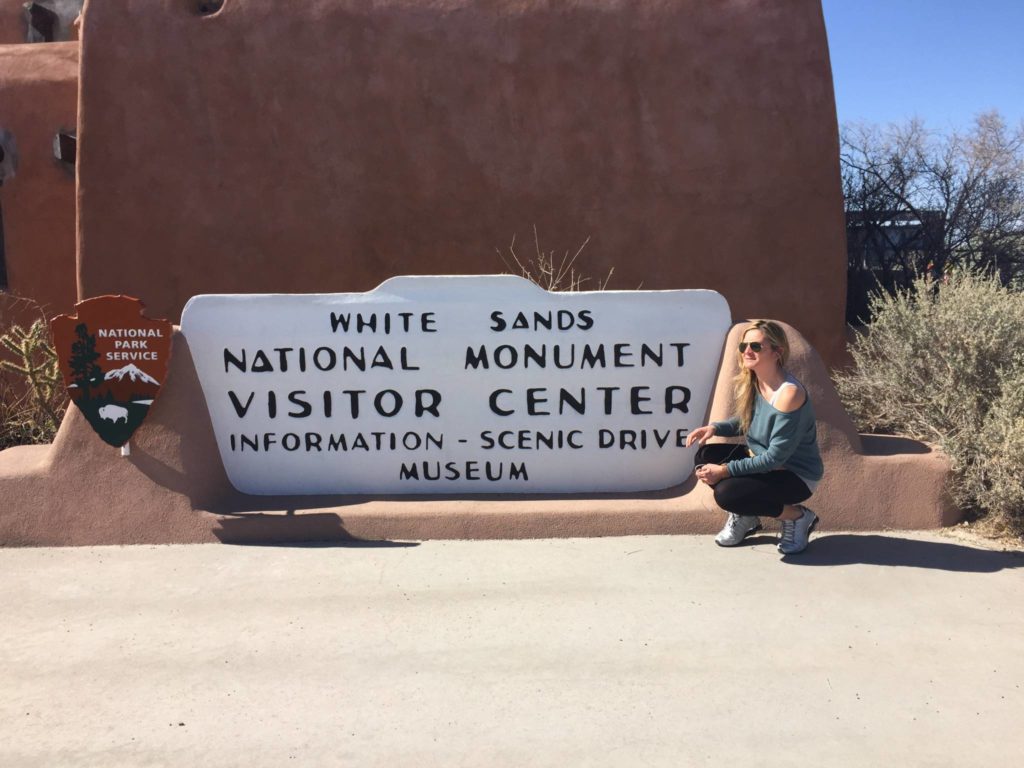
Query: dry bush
point(998, 484)
point(550, 271)
point(944, 362)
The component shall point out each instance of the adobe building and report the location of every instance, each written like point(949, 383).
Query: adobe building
point(694, 144)
point(245, 148)
point(38, 123)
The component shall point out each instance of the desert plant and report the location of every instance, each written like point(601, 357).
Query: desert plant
point(32, 413)
point(940, 362)
point(997, 483)
point(548, 270)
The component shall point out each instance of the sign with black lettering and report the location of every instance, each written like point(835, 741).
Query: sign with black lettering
point(456, 385)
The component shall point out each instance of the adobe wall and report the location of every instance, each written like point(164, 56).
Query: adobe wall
point(13, 29)
point(38, 98)
point(328, 146)
point(173, 487)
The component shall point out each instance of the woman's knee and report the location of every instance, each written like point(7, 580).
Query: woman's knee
point(703, 456)
point(716, 453)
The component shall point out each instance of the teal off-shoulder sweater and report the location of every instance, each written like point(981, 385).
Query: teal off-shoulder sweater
point(778, 440)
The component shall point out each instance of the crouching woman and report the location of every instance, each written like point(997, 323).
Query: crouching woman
point(780, 466)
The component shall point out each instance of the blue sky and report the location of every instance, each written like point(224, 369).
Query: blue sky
point(941, 60)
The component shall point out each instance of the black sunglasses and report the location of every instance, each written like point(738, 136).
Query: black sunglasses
point(755, 346)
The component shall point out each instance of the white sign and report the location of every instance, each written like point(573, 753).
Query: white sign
point(456, 385)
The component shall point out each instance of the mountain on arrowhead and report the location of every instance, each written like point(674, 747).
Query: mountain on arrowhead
point(133, 373)
point(127, 384)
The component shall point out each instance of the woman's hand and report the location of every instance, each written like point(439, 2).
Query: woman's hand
point(712, 473)
point(700, 435)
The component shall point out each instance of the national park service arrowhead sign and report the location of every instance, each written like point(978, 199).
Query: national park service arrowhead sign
point(114, 361)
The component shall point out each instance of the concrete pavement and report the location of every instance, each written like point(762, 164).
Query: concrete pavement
point(868, 650)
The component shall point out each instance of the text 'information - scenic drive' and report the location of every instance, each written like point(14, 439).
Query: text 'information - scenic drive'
point(456, 385)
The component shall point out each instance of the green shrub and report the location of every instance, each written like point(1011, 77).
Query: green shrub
point(999, 487)
point(944, 362)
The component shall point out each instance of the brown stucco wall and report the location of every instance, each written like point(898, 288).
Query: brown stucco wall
point(38, 97)
point(12, 22)
point(326, 146)
point(173, 488)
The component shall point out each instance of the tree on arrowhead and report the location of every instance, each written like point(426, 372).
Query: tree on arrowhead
point(86, 374)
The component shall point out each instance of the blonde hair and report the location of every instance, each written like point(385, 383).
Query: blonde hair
point(745, 383)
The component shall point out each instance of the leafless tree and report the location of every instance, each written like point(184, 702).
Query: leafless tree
point(918, 202)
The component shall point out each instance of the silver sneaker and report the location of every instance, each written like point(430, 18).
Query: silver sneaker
point(797, 533)
point(736, 529)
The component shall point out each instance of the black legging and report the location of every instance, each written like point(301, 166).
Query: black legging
point(763, 494)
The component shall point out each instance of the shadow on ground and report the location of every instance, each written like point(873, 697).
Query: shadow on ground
point(874, 549)
point(347, 544)
point(290, 530)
